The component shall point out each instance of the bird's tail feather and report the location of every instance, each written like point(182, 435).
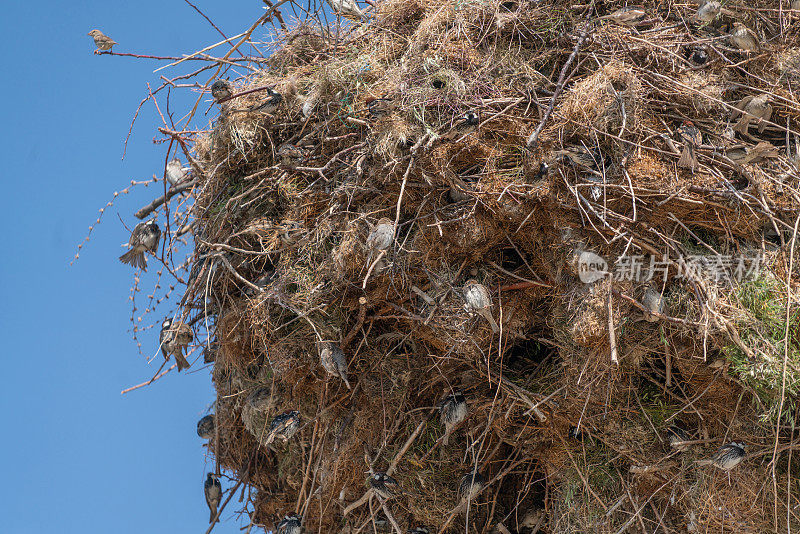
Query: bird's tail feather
point(688, 159)
point(743, 125)
point(135, 258)
point(182, 362)
point(488, 315)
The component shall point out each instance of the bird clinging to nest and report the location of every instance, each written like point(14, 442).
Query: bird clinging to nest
point(727, 457)
point(744, 38)
point(348, 9)
point(290, 524)
point(452, 410)
point(144, 238)
point(333, 360)
point(756, 108)
point(284, 426)
point(692, 138)
point(213, 491)
point(627, 16)
point(174, 337)
point(220, 90)
point(383, 485)
point(101, 41)
point(479, 301)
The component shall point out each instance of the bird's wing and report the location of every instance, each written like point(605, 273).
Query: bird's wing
point(743, 103)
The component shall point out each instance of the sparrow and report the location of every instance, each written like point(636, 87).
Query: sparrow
point(284, 426)
point(696, 54)
point(101, 41)
point(653, 302)
point(383, 485)
point(627, 16)
point(753, 108)
point(333, 360)
point(270, 104)
point(471, 485)
point(174, 337)
point(465, 124)
point(289, 525)
point(677, 438)
point(591, 160)
point(213, 491)
point(290, 155)
point(452, 410)
point(479, 301)
point(707, 11)
point(210, 352)
point(348, 9)
point(205, 426)
point(221, 89)
point(144, 238)
point(727, 457)
point(691, 137)
point(176, 172)
point(418, 530)
point(380, 237)
point(379, 107)
point(290, 232)
point(743, 38)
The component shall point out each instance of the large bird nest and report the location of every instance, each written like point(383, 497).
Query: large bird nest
point(569, 404)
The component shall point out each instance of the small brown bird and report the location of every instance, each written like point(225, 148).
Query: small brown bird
point(176, 172)
point(291, 155)
point(743, 38)
point(221, 89)
point(627, 16)
point(174, 337)
point(756, 108)
point(144, 238)
point(678, 438)
point(290, 231)
point(479, 301)
point(463, 125)
point(333, 360)
point(101, 41)
point(590, 160)
point(691, 137)
point(380, 238)
point(727, 457)
point(205, 426)
point(379, 107)
point(653, 302)
point(213, 490)
point(270, 104)
point(348, 9)
point(707, 11)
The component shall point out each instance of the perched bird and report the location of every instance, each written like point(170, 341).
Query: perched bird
point(221, 89)
point(380, 238)
point(210, 352)
point(479, 301)
point(333, 360)
point(743, 38)
point(696, 54)
point(176, 172)
point(452, 410)
point(653, 302)
point(290, 231)
point(101, 41)
point(144, 238)
point(691, 137)
point(383, 485)
point(756, 108)
point(727, 457)
point(289, 525)
point(707, 11)
point(379, 107)
point(284, 426)
point(678, 438)
point(213, 491)
point(348, 9)
point(205, 426)
point(174, 337)
point(290, 155)
point(471, 485)
point(591, 160)
point(627, 16)
point(465, 124)
point(270, 104)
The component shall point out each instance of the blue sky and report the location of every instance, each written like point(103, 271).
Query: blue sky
point(74, 448)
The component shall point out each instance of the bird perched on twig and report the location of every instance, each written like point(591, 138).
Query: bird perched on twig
point(627, 16)
point(348, 9)
point(270, 104)
point(144, 238)
point(284, 426)
point(174, 337)
point(753, 108)
point(221, 89)
point(290, 524)
point(692, 138)
point(653, 302)
point(465, 124)
point(707, 11)
point(205, 426)
point(471, 485)
point(380, 238)
point(176, 172)
point(452, 410)
point(743, 38)
point(479, 301)
point(727, 457)
point(213, 490)
point(383, 485)
point(678, 438)
point(101, 41)
point(289, 232)
point(333, 360)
